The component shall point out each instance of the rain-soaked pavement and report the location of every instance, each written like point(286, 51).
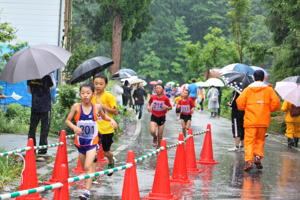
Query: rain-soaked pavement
point(278, 180)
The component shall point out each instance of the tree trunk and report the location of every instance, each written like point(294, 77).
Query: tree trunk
point(116, 45)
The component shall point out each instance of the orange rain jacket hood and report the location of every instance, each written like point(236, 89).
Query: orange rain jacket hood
point(258, 100)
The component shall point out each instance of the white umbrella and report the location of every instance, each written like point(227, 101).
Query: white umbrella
point(171, 83)
point(137, 81)
point(201, 84)
point(214, 82)
point(227, 68)
point(289, 91)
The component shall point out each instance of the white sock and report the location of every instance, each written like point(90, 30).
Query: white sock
point(87, 192)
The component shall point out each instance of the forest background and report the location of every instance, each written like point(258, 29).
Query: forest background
point(181, 39)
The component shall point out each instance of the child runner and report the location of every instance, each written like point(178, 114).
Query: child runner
point(177, 110)
point(139, 96)
point(187, 107)
point(161, 104)
point(86, 139)
point(169, 91)
point(109, 105)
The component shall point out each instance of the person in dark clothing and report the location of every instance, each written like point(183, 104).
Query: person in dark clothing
point(219, 99)
point(237, 120)
point(126, 94)
point(41, 108)
point(139, 96)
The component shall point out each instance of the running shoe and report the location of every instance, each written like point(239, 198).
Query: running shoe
point(242, 149)
point(111, 167)
point(154, 142)
point(95, 181)
point(84, 196)
point(248, 166)
point(234, 149)
point(258, 163)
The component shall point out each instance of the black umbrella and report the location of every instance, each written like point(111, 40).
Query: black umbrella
point(141, 77)
point(90, 67)
point(120, 75)
point(129, 71)
point(237, 80)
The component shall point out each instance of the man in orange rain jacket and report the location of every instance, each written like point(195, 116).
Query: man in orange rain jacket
point(257, 100)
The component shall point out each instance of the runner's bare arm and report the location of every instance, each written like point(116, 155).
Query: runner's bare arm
point(105, 117)
point(149, 106)
point(68, 122)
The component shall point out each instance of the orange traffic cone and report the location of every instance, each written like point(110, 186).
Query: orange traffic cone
point(63, 192)
point(190, 155)
point(207, 156)
point(161, 185)
point(78, 168)
point(130, 185)
point(61, 158)
point(100, 155)
point(179, 175)
point(29, 176)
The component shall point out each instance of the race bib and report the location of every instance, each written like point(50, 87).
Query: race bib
point(89, 129)
point(158, 105)
point(185, 109)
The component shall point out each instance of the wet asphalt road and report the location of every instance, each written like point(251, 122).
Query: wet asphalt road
point(278, 180)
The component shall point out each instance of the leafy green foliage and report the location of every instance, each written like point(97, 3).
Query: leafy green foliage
point(283, 21)
point(77, 43)
point(7, 34)
point(216, 52)
point(9, 169)
point(135, 15)
point(240, 19)
point(16, 119)
point(66, 98)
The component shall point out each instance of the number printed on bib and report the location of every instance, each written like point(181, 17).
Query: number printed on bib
point(89, 129)
point(185, 109)
point(158, 105)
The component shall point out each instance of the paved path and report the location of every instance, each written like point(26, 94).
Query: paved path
point(278, 180)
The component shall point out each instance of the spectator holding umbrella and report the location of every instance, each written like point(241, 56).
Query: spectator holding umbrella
point(292, 120)
point(257, 100)
point(126, 94)
point(41, 108)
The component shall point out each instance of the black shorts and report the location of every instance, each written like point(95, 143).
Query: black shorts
point(106, 140)
point(177, 110)
point(159, 120)
point(186, 117)
point(237, 127)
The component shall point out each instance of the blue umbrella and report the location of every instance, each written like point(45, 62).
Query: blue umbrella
point(238, 67)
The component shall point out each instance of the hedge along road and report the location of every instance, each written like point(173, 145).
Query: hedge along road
point(227, 180)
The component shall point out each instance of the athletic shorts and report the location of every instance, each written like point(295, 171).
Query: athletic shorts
point(106, 140)
point(159, 120)
point(177, 110)
point(186, 117)
point(84, 149)
point(237, 128)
